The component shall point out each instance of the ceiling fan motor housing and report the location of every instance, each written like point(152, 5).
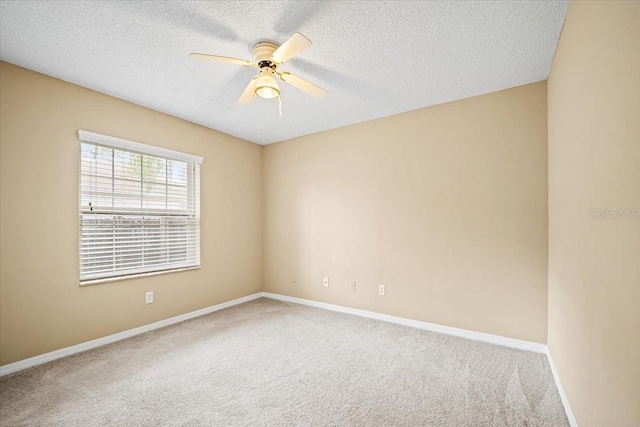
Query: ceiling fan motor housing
point(262, 52)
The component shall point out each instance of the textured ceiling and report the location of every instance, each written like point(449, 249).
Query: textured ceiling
point(375, 58)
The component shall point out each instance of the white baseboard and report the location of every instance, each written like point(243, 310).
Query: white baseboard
point(63, 352)
point(464, 333)
point(479, 336)
point(563, 396)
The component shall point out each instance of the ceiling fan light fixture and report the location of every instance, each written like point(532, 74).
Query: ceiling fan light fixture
point(267, 87)
point(267, 57)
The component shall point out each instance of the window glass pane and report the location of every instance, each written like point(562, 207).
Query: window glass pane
point(88, 154)
point(97, 190)
point(127, 165)
point(85, 191)
point(177, 197)
point(154, 169)
point(96, 160)
point(154, 195)
point(177, 172)
point(127, 194)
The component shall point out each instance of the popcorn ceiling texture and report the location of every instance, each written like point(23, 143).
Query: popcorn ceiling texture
point(375, 58)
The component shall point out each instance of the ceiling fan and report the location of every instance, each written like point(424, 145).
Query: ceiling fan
point(267, 57)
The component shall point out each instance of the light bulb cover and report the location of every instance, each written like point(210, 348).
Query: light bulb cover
point(266, 86)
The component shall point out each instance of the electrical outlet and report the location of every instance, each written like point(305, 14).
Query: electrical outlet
point(382, 290)
point(148, 298)
point(353, 286)
point(325, 282)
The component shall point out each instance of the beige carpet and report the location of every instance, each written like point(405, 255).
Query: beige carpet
point(268, 363)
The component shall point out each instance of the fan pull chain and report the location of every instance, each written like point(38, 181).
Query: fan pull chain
point(280, 105)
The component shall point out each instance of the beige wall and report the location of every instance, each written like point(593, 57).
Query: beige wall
point(594, 163)
point(42, 308)
point(446, 206)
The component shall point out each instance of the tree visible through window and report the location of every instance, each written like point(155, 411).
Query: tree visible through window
point(139, 212)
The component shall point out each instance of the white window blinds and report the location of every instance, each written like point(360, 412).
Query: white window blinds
point(139, 208)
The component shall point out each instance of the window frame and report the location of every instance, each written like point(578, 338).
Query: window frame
point(191, 213)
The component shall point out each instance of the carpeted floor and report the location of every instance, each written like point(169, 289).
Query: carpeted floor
point(268, 363)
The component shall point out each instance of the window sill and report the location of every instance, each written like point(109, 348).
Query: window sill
point(135, 276)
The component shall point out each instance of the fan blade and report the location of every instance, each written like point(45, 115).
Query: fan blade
point(303, 85)
point(296, 44)
point(237, 61)
point(249, 92)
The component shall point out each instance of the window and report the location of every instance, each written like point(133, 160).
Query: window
point(139, 208)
